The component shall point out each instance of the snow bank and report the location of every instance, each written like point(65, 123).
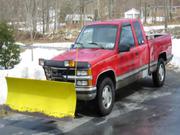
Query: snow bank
point(176, 52)
point(160, 27)
point(58, 45)
point(28, 68)
point(3, 86)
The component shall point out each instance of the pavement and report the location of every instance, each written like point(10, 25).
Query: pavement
point(140, 109)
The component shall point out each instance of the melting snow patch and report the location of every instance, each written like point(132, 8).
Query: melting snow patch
point(43, 133)
point(131, 106)
point(17, 117)
point(18, 133)
point(160, 94)
point(2, 126)
point(142, 96)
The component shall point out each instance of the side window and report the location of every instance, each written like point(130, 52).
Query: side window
point(126, 38)
point(139, 34)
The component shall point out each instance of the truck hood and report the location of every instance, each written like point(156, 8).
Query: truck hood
point(91, 56)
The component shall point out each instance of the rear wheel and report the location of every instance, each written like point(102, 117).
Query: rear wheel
point(105, 96)
point(160, 74)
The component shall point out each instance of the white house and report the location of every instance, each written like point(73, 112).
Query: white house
point(132, 13)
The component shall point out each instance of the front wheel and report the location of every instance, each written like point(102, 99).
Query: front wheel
point(105, 96)
point(160, 74)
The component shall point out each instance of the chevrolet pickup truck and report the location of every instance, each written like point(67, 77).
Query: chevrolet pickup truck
point(109, 55)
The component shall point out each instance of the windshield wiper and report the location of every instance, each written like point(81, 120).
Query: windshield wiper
point(98, 45)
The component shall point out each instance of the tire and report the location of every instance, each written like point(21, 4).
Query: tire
point(160, 74)
point(105, 96)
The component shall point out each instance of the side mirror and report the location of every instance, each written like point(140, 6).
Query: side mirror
point(124, 48)
point(72, 46)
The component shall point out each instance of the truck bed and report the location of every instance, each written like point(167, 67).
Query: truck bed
point(159, 44)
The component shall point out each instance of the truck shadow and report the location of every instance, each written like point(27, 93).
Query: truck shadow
point(134, 87)
point(89, 108)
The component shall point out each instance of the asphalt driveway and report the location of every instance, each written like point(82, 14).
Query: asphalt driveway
point(140, 109)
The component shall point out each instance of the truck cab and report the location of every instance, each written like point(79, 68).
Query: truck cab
point(107, 56)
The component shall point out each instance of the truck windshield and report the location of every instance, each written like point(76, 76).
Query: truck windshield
point(97, 36)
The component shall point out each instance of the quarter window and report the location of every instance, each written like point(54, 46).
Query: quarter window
point(139, 34)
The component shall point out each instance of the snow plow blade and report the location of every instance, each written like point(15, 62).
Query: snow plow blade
point(51, 98)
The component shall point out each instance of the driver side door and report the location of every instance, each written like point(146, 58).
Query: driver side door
point(127, 60)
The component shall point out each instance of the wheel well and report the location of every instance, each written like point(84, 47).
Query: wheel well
point(163, 56)
point(109, 74)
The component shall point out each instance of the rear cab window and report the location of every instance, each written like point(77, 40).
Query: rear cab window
point(138, 31)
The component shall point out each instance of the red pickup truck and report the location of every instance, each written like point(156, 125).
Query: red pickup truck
point(109, 55)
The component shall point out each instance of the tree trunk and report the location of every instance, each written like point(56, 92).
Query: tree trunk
point(47, 16)
point(171, 8)
point(145, 13)
point(55, 16)
point(43, 16)
point(165, 15)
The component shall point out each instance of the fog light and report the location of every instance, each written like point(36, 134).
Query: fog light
point(82, 73)
point(82, 83)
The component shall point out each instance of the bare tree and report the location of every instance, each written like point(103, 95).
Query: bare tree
point(165, 14)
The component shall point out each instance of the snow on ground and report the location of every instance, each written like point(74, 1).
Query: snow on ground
point(28, 68)
point(176, 52)
point(159, 27)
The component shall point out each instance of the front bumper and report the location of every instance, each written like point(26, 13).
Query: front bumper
point(86, 93)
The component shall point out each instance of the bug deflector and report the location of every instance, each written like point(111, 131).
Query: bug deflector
point(56, 99)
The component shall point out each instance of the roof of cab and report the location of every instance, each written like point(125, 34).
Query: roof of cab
point(112, 22)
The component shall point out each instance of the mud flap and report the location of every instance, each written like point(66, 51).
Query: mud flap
point(55, 99)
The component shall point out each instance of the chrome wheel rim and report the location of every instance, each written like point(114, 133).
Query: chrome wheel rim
point(161, 73)
point(107, 96)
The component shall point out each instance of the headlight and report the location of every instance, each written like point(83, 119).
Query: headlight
point(82, 83)
point(41, 62)
point(66, 63)
point(82, 73)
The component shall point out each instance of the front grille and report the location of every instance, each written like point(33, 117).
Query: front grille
point(59, 74)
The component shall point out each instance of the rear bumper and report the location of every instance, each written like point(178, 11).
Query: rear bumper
point(86, 93)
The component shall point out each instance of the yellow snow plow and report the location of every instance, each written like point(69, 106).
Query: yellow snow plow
point(55, 99)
